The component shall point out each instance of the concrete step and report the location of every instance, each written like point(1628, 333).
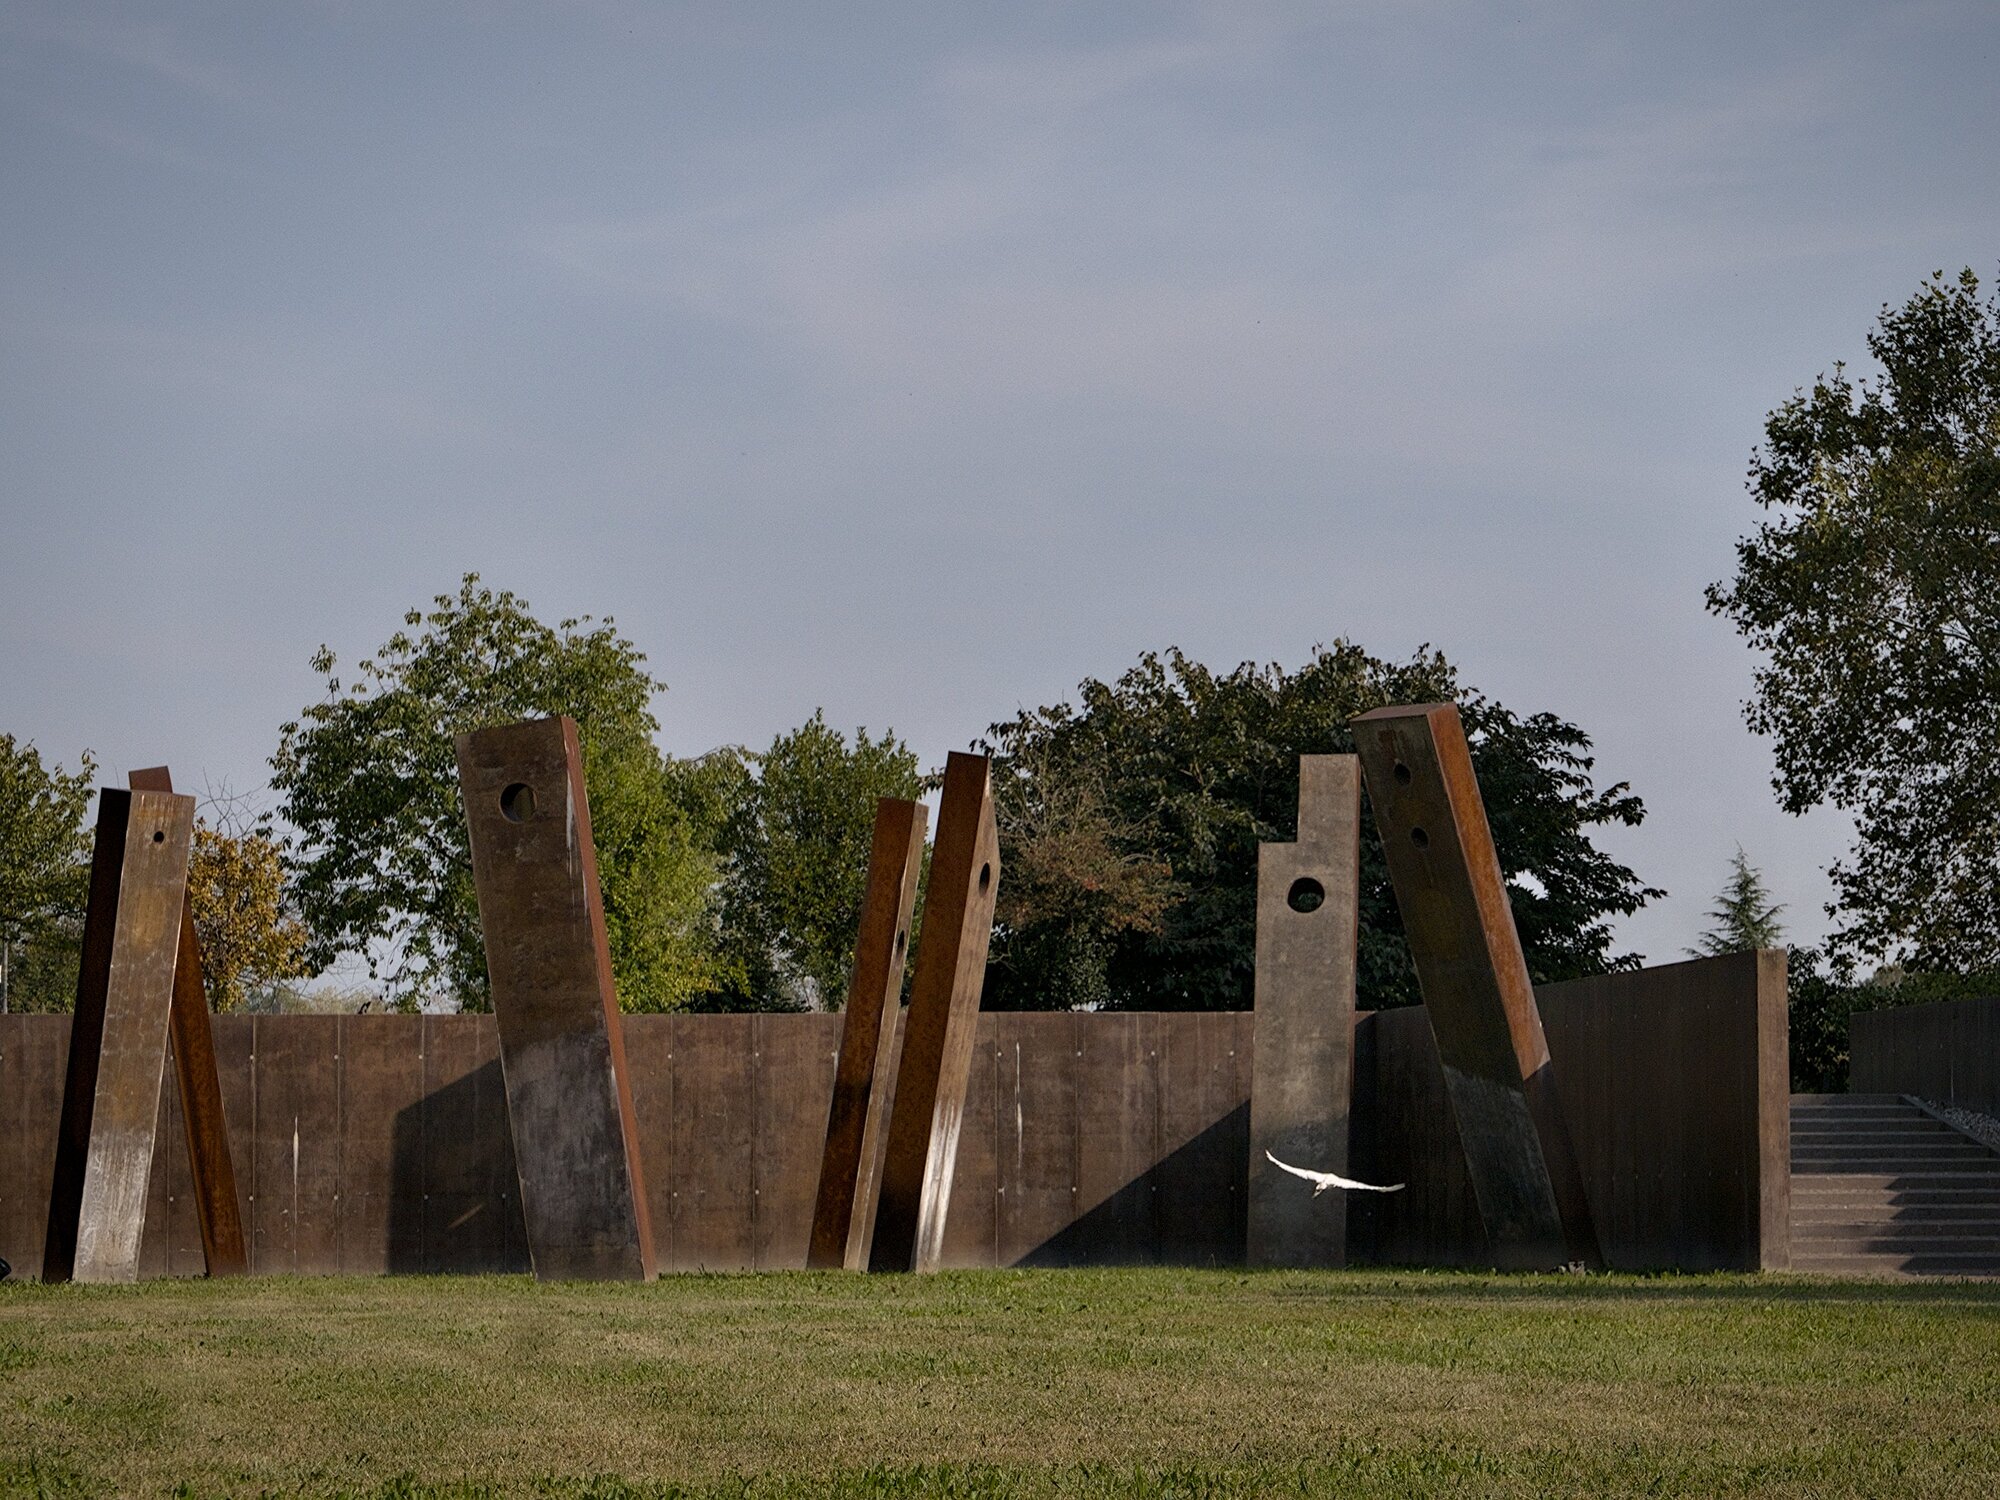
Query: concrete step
point(1883, 1188)
point(1896, 1265)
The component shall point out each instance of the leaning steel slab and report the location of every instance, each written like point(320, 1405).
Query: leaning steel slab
point(1308, 905)
point(562, 1054)
point(1453, 899)
point(864, 1071)
point(118, 1037)
point(936, 1060)
point(218, 1211)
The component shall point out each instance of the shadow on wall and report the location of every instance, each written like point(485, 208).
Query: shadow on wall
point(454, 1198)
point(1186, 1210)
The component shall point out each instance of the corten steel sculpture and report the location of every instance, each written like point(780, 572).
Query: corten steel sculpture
point(217, 1208)
point(1481, 1002)
point(562, 1049)
point(864, 1076)
point(937, 1032)
point(1308, 902)
point(118, 1037)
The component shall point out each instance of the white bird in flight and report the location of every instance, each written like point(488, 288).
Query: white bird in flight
point(1321, 1181)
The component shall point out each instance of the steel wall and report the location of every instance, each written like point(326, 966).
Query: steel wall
point(366, 1144)
point(1947, 1052)
point(1674, 1084)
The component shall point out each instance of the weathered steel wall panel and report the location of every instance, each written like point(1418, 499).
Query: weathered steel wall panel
point(1677, 1103)
point(1037, 1137)
point(1308, 910)
point(1682, 1173)
point(1947, 1052)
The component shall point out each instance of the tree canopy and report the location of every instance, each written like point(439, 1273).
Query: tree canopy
point(796, 844)
point(378, 858)
point(1129, 830)
point(1872, 590)
point(44, 875)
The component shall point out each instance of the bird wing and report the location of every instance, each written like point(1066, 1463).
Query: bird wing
point(1324, 1180)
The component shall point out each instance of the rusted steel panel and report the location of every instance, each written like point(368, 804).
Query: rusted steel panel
point(576, 1143)
point(1037, 1100)
point(218, 1210)
point(1203, 1137)
point(1676, 1082)
point(1453, 898)
point(294, 1176)
point(1308, 908)
point(715, 1144)
point(851, 1157)
point(118, 1052)
point(1117, 1141)
point(650, 1042)
point(381, 1076)
point(794, 1058)
point(34, 1053)
point(972, 1229)
point(1412, 1139)
point(938, 1032)
point(1947, 1052)
point(470, 1210)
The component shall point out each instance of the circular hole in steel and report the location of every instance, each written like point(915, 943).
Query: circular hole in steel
point(1402, 774)
point(985, 878)
point(1421, 839)
point(1305, 895)
point(159, 836)
point(517, 803)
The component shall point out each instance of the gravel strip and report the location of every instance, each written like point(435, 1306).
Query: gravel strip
point(1982, 1128)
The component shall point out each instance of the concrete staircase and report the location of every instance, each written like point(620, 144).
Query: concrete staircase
point(1881, 1187)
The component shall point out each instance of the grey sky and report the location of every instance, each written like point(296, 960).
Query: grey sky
point(916, 361)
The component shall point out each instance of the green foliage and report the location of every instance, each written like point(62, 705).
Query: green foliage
point(1873, 592)
point(378, 859)
point(1744, 916)
point(1131, 825)
point(797, 842)
point(1824, 993)
point(44, 876)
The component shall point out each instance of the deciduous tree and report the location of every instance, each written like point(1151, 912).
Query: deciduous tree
point(378, 856)
point(1136, 818)
point(1872, 591)
point(44, 876)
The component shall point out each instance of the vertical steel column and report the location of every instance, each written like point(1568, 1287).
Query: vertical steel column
point(1453, 898)
point(937, 1032)
point(562, 1048)
point(865, 1073)
point(1308, 911)
point(118, 1037)
point(217, 1208)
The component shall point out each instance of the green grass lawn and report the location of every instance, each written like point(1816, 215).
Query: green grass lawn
point(1143, 1382)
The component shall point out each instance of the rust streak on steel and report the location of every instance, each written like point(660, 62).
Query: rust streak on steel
point(1481, 1002)
point(217, 1209)
point(938, 1030)
point(865, 1071)
point(1308, 910)
point(118, 1038)
point(562, 1043)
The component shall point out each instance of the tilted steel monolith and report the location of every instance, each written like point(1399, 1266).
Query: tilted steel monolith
point(562, 1047)
point(1453, 898)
